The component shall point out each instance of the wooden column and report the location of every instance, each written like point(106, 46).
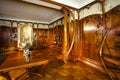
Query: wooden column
point(65, 41)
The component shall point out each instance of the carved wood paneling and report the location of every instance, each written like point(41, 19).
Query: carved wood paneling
point(91, 36)
point(8, 37)
point(93, 29)
point(56, 37)
point(112, 50)
point(43, 37)
point(40, 38)
point(74, 34)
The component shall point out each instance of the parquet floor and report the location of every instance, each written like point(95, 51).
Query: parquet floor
point(57, 70)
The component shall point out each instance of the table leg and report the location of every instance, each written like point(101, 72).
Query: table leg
point(42, 69)
point(22, 76)
point(29, 74)
point(6, 75)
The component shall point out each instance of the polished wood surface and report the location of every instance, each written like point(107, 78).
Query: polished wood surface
point(40, 39)
point(56, 38)
point(8, 37)
point(16, 60)
point(65, 39)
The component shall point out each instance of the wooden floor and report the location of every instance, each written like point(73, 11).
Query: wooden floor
point(57, 70)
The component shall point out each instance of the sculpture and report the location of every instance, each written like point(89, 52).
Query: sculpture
point(26, 51)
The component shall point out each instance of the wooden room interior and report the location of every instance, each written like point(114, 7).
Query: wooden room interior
point(60, 40)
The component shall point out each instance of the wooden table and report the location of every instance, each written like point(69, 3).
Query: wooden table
point(17, 61)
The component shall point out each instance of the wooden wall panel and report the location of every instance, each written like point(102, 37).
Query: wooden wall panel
point(112, 49)
point(40, 39)
point(51, 37)
point(43, 37)
point(91, 38)
point(93, 32)
point(8, 37)
point(74, 34)
point(35, 38)
point(56, 37)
